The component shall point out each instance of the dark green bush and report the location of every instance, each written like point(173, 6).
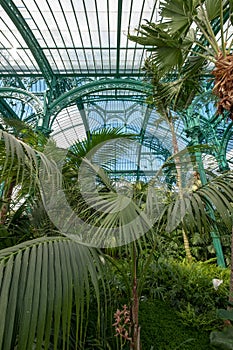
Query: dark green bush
point(162, 329)
point(189, 288)
point(181, 319)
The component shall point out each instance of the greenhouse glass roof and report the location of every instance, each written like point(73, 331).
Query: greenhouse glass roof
point(72, 37)
point(68, 68)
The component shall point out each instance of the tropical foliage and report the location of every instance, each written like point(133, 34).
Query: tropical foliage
point(187, 38)
point(45, 282)
point(50, 282)
point(53, 275)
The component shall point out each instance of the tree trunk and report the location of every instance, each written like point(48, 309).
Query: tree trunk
point(179, 184)
point(186, 246)
point(6, 205)
point(231, 275)
point(135, 345)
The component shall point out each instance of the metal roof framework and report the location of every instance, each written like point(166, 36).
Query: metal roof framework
point(68, 68)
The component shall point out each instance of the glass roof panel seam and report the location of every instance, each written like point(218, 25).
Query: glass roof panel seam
point(73, 127)
point(15, 15)
point(66, 129)
point(68, 27)
point(64, 135)
point(140, 19)
point(47, 48)
point(109, 39)
point(8, 63)
point(119, 19)
point(89, 31)
point(127, 41)
point(81, 39)
point(12, 48)
point(58, 29)
point(98, 25)
point(143, 48)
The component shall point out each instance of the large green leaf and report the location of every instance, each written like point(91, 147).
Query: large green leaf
point(231, 10)
point(179, 14)
point(196, 209)
point(225, 314)
point(40, 281)
point(168, 52)
point(213, 8)
point(20, 161)
point(167, 57)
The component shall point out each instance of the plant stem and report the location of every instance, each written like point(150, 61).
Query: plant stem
point(7, 199)
point(231, 275)
point(222, 33)
point(179, 184)
point(186, 245)
point(208, 31)
point(135, 304)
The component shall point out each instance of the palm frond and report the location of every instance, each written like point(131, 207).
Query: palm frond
point(179, 14)
point(21, 161)
point(167, 51)
point(213, 8)
point(194, 209)
point(99, 146)
point(40, 281)
point(81, 148)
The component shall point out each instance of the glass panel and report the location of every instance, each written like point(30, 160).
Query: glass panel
point(68, 127)
point(75, 24)
point(103, 22)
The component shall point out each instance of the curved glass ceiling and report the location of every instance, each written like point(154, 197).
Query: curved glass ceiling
point(55, 48)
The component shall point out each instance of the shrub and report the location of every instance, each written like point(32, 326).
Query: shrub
point(162, 329)
point(189, 288)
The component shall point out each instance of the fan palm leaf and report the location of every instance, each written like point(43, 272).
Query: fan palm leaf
point(93, 144)
point(189, 29)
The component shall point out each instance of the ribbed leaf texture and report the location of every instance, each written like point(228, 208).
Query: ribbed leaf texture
point(41, 281)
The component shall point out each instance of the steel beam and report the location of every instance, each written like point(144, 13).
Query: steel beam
point(119, 18)
point(26, 33)
point(7, 111)
point(83, 115)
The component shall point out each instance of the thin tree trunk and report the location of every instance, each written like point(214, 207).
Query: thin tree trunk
point(231, 275)
point(6, 205)
point(187, 246)
point(135, 345)
point(179, 184)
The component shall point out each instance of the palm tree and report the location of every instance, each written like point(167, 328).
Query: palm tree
point(14, 176)
point(192, 30)
point(190, 209)
point(170, 99)
point(42, 280)
point(47, 280)
point(185, 48)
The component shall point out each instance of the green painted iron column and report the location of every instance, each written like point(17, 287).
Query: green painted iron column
point(192, 129)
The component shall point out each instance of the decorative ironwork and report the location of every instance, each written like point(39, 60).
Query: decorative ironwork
point(23, 95)
point(202, 125)
point(73, 95)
